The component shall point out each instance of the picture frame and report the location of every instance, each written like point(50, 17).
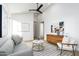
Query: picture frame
point(25, 27)
point(61, 24)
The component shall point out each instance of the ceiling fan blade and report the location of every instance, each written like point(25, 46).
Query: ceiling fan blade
point(39, 6)
point(39, 11)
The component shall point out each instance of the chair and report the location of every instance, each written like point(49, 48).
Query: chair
point(67, 44)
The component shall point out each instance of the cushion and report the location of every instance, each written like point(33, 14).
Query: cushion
point(7, 47)
point(17, 39)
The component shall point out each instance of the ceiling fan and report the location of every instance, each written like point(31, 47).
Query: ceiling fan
point(38, 8)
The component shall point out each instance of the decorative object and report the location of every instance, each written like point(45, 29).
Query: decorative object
point(59, 30)
point(51, 28)
point(61, 24)
point(25, 27)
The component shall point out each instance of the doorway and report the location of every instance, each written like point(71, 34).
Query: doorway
point(42, 30)
point(39, 30)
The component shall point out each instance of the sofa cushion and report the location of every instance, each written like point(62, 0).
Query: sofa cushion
point(22, 50)
point(17, 39)
point(7, 47)
point(20, 47)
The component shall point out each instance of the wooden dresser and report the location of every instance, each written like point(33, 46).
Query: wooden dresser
point(54, 38)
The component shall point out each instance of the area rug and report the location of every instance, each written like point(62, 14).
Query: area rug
point(51, 50)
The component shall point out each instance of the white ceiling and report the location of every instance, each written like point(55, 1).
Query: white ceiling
point(13, 8)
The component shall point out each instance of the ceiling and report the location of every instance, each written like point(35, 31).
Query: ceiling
point(13, 8)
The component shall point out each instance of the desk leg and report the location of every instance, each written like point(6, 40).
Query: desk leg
point(73, 50)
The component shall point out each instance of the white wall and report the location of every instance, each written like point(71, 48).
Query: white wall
point(50, 17)
point(69, 13)
point(7, 24)
point(23, 18)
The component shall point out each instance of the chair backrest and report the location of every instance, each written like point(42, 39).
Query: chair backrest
point(66, 40)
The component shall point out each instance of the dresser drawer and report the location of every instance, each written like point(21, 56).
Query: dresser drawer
point(54, 38)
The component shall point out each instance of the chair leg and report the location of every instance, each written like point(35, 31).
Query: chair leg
point(57, 47)
point(61, 49)
point(61, 52)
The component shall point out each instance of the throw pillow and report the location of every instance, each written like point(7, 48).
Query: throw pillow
point(17, 39)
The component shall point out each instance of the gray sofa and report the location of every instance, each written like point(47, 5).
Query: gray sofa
point(14, 47)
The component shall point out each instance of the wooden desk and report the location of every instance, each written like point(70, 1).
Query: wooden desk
point(54, 38)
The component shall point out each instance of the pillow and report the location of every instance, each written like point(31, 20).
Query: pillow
point(7, 47)
point(17, 39)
